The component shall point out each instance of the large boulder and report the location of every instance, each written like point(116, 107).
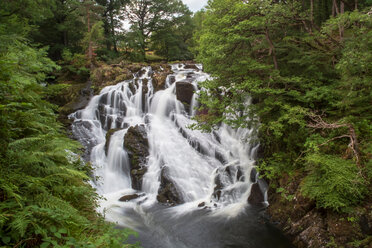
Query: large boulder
point(137, 145)
point(184, 91)
point(159, 79)
point(256, 197)
point(168, 193)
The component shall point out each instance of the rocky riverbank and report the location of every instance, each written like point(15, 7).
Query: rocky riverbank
point(308, 226)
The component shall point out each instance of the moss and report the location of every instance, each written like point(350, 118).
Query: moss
point(108, 138)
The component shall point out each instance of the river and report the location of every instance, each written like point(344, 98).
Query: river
point(189, 189)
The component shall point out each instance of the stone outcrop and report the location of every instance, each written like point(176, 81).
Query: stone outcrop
point(184, 91)
point(256, 197)
point(137, 146)
point(168, 193)
point(308, 226)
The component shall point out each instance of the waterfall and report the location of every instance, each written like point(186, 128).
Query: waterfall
point(185, 171)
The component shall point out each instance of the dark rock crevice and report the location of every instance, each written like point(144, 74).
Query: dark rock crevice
point(168, 193)
point(137, 145)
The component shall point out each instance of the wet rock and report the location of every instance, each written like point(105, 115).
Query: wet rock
point(159, 78)
point(190, 75)
point(191, 66)
point(202, 204)
point(145, 90)
point(132, 88)
point(140, 73)
point(220, 157)
point(253, 176)
point(134, 67)
point(256, 197)
point(137, 146)
point(108, 138)
point(239, 174)
point(184, 91)
point(217, 191)
point(128, 198)
point(168, 193)
point(119, 121)
point(172, 79)
point(216, 136)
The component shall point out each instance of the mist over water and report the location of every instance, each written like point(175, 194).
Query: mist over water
point(212, 172)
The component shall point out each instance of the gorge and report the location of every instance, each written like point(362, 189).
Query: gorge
point(175, 186)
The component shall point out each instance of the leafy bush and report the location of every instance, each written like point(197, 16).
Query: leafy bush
point(45, 197)
point(333, 182)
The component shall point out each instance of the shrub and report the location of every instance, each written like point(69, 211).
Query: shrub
point(334, 183)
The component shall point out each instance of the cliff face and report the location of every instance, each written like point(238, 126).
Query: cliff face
point(308, 226)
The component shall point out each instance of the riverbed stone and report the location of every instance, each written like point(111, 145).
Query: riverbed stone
point(168, 193)
point(137, 145)
point(128, 198)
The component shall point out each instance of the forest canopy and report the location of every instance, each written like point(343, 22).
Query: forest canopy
point(306, 66)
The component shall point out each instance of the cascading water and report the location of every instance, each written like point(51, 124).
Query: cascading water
point(190, 189)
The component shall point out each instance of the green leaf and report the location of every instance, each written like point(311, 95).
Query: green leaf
point(53, 229)
point(58, 235)
point(62, 230)
point(5, 239)
point(44, 245)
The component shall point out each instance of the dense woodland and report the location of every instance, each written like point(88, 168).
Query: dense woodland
point(305, 65)
point(307, 68)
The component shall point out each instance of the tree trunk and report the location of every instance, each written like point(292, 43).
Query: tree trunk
point(271, 49)
point(312, 12)
point(335, 8)
point(341, 27)
point(90, 44)
point(112, 27)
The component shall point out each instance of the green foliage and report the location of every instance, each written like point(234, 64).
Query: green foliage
point(75, 65)
point(333, 182)
point(45, 197)
point(292, 65)
point(158, 16)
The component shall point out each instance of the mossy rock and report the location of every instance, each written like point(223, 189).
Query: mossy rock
point(123, 77)
point(168, 193)
point(135, 67)
point(137, 145)
point(108, 138)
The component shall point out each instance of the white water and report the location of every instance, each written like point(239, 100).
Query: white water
point(194, 159)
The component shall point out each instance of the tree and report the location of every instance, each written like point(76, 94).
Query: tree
point(295, 64)
point(112, 18)
point(45, 199)
point(91, 13)
point(63, 30)
point(173, 40)
point(147, 16)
